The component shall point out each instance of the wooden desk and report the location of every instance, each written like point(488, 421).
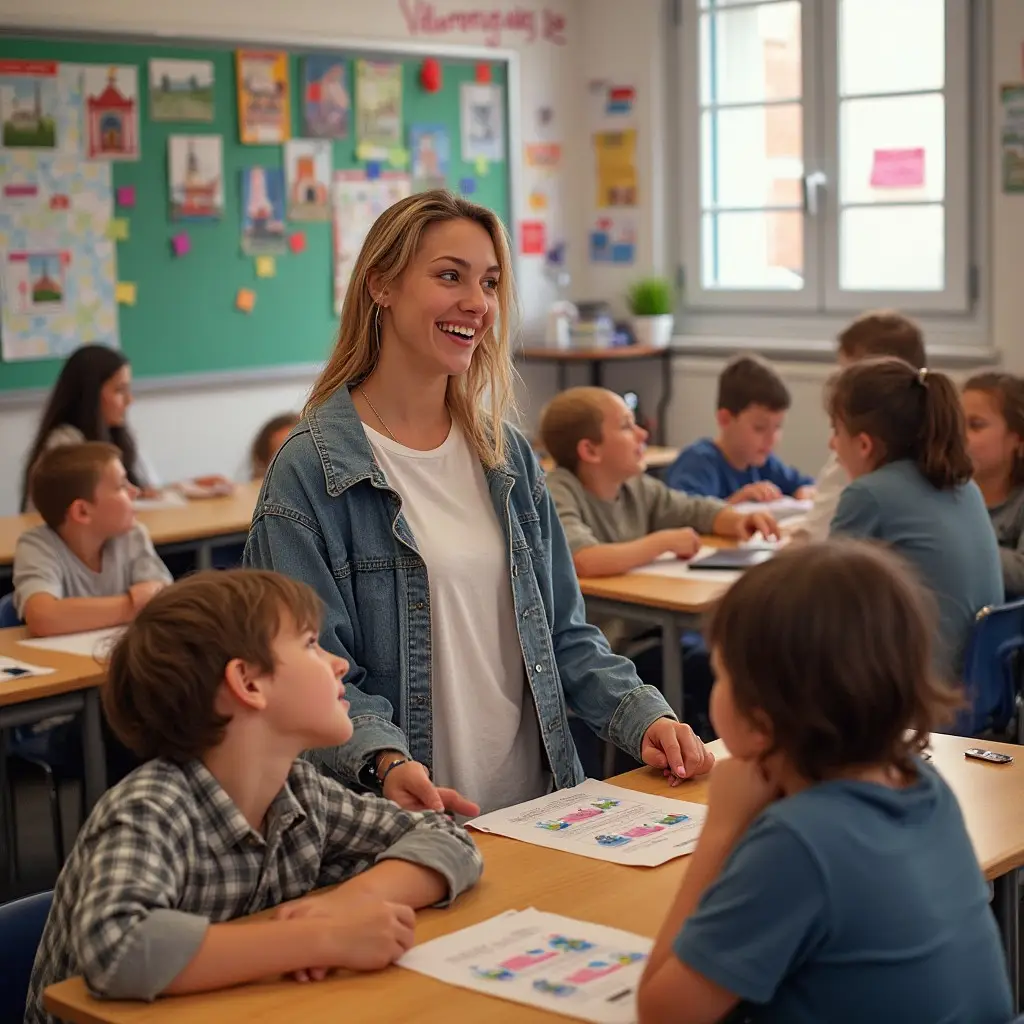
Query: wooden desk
point(658, 457)
point(197, 524)
point(517, 876)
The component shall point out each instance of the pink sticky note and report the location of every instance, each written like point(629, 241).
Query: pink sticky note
point(181, 244)
point(898, 168)
point(297, 242)
point(126, 195)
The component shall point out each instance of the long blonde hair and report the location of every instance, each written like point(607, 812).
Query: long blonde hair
point(389, 248)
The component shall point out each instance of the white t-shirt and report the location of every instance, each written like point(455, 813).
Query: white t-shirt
point(486, 738)
point(829, 485)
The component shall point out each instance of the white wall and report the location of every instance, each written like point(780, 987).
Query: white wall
point(176, 428)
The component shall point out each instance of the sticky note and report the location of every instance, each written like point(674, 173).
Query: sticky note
point(467, 186)
point(181, 244)
point(366, 151)
point(372, 170)
point(117, 229)
point(398, 157)
point(482, 166)
point(245, 300)
point(265, 266)
point(125, 293)
point(125, 195)
point(297, 242)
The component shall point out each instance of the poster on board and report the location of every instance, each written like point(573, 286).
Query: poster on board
point(483, 122)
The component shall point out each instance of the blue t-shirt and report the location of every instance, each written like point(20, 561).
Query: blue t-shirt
point(946, 535)
point(703, 469)
point(853, 902)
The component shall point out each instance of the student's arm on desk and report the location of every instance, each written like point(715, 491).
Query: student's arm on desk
point(615, 559)
point(46, 615)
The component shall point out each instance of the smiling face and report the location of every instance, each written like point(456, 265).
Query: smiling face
point(443, 304)
point(750, 435)
point(991, 444)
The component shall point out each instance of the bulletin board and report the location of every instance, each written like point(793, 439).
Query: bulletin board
point(184, 319)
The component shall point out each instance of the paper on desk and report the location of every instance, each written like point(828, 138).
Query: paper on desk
point(781, 508)
point(604, 822)
point(169, 499)
point(676, 568)
point(583, 970)
point(11, 669)
point(94, 644)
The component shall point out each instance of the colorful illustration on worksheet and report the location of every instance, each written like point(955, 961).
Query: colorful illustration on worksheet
point(595, 810)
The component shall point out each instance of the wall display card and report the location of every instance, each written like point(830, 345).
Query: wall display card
point(483, 122)
point(264, 101)
point(378, 109)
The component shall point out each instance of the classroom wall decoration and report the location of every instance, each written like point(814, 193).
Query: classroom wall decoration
point(378, 109)
point(112, 112)
point(326, 100)
point(181, 90)
point(264, 102)
point(483, 129)
point(28, 104)
point(173, 220)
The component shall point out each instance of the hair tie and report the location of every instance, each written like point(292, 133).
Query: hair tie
point(922, 376)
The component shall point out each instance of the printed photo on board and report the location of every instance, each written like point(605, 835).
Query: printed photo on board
point(326, 101)
point(378, 109)
point(197, 177)
point(483, 123)
point(263, 211)
point(430, 149)
point(181, 90)
point(35, 282)
point(28, 104)
point(308, 169)
point(264, 106)
point(111, 112)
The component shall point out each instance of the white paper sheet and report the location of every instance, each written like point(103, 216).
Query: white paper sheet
point(11, 669)
point(94, 644)
point(603, 822)
point(582, 970)
point(677, 568)
point(781, 508)
point(169, 499)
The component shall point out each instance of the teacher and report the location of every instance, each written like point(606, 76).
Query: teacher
point(422, 520)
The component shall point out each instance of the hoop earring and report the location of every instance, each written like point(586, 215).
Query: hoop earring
point(376, 324)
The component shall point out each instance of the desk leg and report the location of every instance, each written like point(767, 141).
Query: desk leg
point(672, 665)
point(1007, 910)
point(666, 395)
point(93, 752)
point(563, 376)
point(204, 555)
point(597, 373)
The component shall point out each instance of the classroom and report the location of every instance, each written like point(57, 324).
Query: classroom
point(694, 692)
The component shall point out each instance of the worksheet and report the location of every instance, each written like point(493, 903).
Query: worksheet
point(781, 508)
point(12, 669)
point(94, 644)
point(575, 968)
point(678, 568)
point(604, 822)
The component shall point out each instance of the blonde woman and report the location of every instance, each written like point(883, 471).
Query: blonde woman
point(422, 520)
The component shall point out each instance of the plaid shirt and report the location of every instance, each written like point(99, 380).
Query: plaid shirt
point(166, 852)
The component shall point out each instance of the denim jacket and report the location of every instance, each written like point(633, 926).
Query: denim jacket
point(327, 516)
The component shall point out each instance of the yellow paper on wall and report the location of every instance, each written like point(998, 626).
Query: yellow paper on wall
point(125, 293)
point(482, 166)
point(245, 300)
point(616, 168)
point(265, 266)
point(117, 229)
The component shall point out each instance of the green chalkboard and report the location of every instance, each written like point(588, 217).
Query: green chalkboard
point(185, 320)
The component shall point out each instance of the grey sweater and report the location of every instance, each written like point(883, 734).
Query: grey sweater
point(1008, 522)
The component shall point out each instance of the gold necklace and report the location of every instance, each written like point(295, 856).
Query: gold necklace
point(366, 398)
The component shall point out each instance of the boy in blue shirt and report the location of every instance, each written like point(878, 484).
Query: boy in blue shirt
point(738, 466)
point(834, 879)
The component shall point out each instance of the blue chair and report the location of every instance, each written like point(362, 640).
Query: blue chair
point(21, 928)
point(8, 616)
point(992, 671)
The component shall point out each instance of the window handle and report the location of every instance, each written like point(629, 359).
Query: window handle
point(814, 185)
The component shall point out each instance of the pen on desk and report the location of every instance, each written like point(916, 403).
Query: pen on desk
point(616, 996)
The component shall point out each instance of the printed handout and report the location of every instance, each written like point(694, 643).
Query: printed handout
point(94, 644)
point(604, 822)
point(583, 970)
point(10, 668)
point(679, 568)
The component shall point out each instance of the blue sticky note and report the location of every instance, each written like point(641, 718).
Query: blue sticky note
point(467, 186)
point(372, 170)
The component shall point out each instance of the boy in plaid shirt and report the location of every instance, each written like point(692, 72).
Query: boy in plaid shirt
point(220, 684)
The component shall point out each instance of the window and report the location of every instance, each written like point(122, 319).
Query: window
point(826, 163)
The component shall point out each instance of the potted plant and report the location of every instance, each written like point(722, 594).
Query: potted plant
point(652, 303)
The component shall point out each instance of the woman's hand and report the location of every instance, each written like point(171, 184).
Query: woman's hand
point(410, 787)
point(676, 749)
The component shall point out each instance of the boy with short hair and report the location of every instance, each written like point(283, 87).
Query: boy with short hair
point(738, 465)
point(221, 682)
point(91, 565)
point(872, 334)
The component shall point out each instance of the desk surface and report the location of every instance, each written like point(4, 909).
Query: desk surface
point(518, 875)
point(584, 355)
point(73, 671)
point(197, 520)
point(670, 593)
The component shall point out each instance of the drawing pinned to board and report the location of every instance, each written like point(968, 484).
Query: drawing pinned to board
point(616, 168)
point(1012, 137)
point(111, 112)
point(613, 240)
point(197, 177)
point(35, 281)
point(181, 90)
point(263, 209)
point(431, 155)
point(264, 103)
point(308, 169)
point(326, 100)
point(28, 103)
point(483, 123)
point(378, 109)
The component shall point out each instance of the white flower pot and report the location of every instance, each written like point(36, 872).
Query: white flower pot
point(655, 331)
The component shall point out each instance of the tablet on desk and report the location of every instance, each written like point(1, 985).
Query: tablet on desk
point(733, 559)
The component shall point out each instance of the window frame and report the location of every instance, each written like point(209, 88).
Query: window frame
point(815, 309)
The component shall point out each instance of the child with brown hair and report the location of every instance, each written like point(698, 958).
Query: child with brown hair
point(834, 879)
point(220, 683)
point(877, 333)
point(994, 411)
point(91, 565)
point(268, 441)
point(899, 434)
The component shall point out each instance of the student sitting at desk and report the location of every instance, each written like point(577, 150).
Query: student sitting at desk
point(834, 879)
point(91, 565)
point(220, 685)
point(738, 465)
point(90, 402)
point(268, 441)
point(617, 517)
